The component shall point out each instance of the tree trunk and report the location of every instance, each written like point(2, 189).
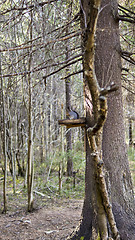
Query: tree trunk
point(68, 105)
point(42, 133)
point(108, 69)
point(30, 175)
point(5, 157)
point(3, 137)
point(118, 179)
point(130, 132)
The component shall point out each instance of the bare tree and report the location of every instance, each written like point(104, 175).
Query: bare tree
point(30, 176)
point(3, 138)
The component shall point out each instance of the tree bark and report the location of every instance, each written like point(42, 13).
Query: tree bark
point(108, 69)
point(3, 137)
point(118, 179)
point(130, 132)
point(68, 105)
point(30, 174)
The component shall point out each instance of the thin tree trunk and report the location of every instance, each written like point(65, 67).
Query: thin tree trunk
point(62, 130)
point(12, 156)
point(3, 137)
point(5, 160)
point(30, 175)
point(68, 105)
point(14, 153)
point(130, 132)
point(42, 133)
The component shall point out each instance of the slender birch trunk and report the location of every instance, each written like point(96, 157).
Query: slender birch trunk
point(3, 136)
point(30, 174)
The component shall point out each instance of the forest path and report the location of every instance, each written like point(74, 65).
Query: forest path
point(54, 221)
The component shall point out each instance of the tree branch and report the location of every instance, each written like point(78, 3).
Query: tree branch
point(102, 186)
point(121, 18)
point(72, 74)
point(41, 44)
point(129, 90)
point(91, 133)
point(101, 119)
point(73, 62)
point(41, 4)
point(126, 9)
point(130, 60)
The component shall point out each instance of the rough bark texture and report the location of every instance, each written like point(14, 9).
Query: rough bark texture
point(108, 69)
point(118, 179)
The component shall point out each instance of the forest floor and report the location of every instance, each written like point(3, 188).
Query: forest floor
point(55, 219)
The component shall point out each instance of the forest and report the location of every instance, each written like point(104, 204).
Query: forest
point(67, 119)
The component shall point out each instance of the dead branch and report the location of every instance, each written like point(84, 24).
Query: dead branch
point(130, 60)
point(42, 44)
point(123, 18)
point(39, 69)
point(41, 4)
point(72, 74)
point(126, 9)
point(58, 70)
point(127, 54)
point(129, 90)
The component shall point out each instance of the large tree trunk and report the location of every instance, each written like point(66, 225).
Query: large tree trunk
point(108, 69)
point(118, 179)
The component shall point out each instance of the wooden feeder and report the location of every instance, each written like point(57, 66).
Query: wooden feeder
point(69, 123)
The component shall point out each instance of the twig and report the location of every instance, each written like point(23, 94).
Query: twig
point(41, 4)
point(42, 44)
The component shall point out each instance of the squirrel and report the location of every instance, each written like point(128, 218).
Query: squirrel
point(72, 114)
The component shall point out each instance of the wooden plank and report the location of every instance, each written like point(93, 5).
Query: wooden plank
point(73, 122)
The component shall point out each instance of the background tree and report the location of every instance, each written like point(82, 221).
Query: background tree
point(3, 138)
point(30, 173)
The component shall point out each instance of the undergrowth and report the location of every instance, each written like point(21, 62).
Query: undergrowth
point(46, 181)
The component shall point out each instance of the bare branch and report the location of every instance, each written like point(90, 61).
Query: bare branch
point(41, 4)
point(130, 60)
point(126, 9)
point(58, 70)
point(129, 90)
point(72, 74)
point(42, 44)
point(127, 54)
point(36, 70)
point(125, 69)
point(121, 18)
